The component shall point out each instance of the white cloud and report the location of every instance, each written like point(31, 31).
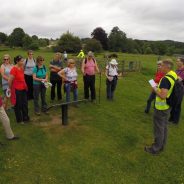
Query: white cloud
point(142, 19)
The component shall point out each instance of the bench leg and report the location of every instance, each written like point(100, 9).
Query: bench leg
point(64, 110)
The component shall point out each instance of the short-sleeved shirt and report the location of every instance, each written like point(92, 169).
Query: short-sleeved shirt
point(165, 83)
point(112, 71)
point(54, 75)
point(40, 73)
point(71, 74)
point(19, 81)
point(28, 66)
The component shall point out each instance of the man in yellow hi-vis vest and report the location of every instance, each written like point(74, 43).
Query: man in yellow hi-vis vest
point(81, 55)
point(162, 109)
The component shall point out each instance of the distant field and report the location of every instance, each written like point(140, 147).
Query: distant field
point(103, 143)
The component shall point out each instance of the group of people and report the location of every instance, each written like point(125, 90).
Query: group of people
point(28, 79)
point(167, 82)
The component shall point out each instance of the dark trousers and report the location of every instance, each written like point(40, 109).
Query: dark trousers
point(89, 84)
point(175, 113)
point(160, 121)
point(111, 86)
point(29, 82)
point(151, 98)
point(21, 106)
point(40, 90)
point(58, 84)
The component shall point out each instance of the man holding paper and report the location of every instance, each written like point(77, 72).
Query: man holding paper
point(158, 76)
point(162, 109)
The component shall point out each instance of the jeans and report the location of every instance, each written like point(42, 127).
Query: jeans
point(89, 83)
point(55, 83)
point(160, 120)
point(29, 82)
point(68, 88)
point(21, 106)
point(111, 86)
point(39, 90)
point(149, 101)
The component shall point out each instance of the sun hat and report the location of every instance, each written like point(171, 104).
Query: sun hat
point(159, 62)
point(113, 62)
point(90, 54)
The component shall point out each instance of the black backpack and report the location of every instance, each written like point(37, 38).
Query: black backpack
point(177, 94)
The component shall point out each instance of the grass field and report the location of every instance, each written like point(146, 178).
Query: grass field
point(103, 143)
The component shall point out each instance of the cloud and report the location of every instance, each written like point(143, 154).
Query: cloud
point(141, 19)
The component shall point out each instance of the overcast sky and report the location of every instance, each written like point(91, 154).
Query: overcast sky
point(140, 19)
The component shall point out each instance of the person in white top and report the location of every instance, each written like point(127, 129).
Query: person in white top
point(65, 55)
point(5, 73)
point(112, 77)
point(29, 64)
point(69, 76)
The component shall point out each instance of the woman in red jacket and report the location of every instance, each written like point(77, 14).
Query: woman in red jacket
point(18, 88)
point(158, 77)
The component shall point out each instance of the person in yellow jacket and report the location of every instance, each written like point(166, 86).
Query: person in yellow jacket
point(81, 55)
point(162, 109)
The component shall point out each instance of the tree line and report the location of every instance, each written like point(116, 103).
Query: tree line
point(18, 38)
point(100, 40)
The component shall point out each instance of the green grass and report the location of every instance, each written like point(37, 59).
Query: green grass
point(103, 144)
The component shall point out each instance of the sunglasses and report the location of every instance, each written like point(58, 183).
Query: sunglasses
point(72, 63)
point(6, 59)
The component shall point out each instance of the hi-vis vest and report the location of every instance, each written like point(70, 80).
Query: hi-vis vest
point(162, 104)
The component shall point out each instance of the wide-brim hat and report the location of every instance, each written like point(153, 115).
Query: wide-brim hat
point(90, 54)
point(113, 62)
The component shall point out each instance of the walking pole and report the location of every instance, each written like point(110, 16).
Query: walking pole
point(100, 83)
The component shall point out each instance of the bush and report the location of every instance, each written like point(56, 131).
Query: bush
point(68, 42)
point(92, 45)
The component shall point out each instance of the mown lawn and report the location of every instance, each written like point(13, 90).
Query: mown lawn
point(103, 143)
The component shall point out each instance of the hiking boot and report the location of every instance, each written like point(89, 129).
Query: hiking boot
point(14, 138)
point(150, 150)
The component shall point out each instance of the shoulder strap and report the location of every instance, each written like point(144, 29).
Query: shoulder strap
point(37, 68)
point(171, 77)
point(25, 63)
point(94, 60)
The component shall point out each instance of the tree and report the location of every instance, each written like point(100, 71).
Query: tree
point(16, 37)
point(27, 41)
point(148, 50)
point(117, 40)
point(100, 35)
point(92, 45)
point(30, 43)
point(68, 42)
point(3, 38)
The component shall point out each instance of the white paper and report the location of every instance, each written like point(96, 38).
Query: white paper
point(152, 83)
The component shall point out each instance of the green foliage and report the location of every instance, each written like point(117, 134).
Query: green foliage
point(117, 40)
point(148, 50)
point(30, 43)
point(100, 35)
point(68, 42)
point(3, 38)
point(92, 45)
point(16, 38)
